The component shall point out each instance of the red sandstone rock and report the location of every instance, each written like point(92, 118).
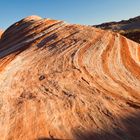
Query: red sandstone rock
point(1, 31)
point(63, 81)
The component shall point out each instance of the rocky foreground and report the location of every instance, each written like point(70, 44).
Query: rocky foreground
point(61, 82)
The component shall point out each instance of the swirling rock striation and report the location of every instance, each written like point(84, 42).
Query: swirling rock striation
point(63, 81)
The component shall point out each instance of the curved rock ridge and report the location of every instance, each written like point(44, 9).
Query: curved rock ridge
point(72, 82)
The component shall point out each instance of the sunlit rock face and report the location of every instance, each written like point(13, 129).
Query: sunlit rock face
point(63, 81)
point(1, 31)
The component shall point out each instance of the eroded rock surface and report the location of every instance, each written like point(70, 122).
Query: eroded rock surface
point(62, 81)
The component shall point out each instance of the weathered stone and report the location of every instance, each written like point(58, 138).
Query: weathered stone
point(90, 87)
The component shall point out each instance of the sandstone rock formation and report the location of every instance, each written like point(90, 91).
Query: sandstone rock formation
point(63, 81)
point(129, 28)
point(1, 31)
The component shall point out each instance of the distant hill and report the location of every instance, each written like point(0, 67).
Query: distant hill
point(129, 28)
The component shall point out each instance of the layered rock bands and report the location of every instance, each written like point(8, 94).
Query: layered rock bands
point(68, 82)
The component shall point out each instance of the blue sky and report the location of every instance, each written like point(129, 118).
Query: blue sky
point(73, 11)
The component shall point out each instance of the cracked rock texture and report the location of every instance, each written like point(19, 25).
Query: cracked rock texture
point(61, 81)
